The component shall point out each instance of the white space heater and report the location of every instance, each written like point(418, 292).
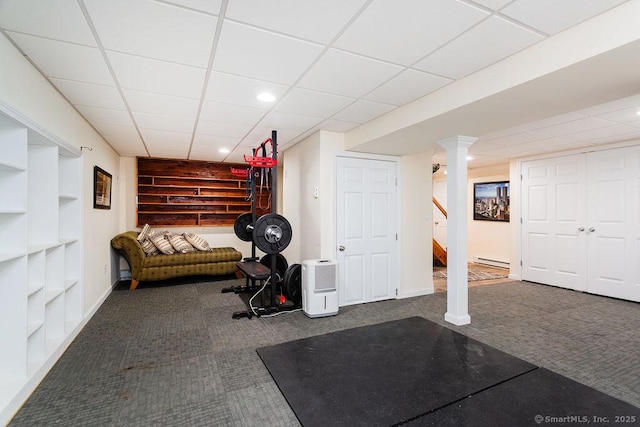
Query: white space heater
point(319, 287)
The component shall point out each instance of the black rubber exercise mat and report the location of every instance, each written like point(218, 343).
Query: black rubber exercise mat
point(539, 397)
point(384, 374)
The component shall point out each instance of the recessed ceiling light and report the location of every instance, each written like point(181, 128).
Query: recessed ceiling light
point(638, 112)
point(469, 158)
point(224, 150)
point(266, 97)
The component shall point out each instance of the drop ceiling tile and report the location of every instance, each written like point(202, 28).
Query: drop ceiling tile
point(236, 156)
point(542, 146)
point(283, 122)
point(423, 26)
point(315, 20)
point(604, 132)
point(93, 95)
point(169, 151)
point(626, 115)
point(406, 87)
point(257, 136)
point(154, 29)
point(337, 125)
point(153, 121)
point(209, 6)
point(206, 147)
point(312, 103)
point(228, 130)
point(489, 42)
point(162, 143)
point(634, 135)
point(608, 107)
point(566, 128)
point(230, 113)
point(261, 133)
point(346, 74)
point(516, 139)
point(59, 20)
point(552, 121)
point(493, 4)
point(552, 16)
point(124, 139)
point(151, 75)
point(126, 148)
point(230, 89)
point(260, 54)
point(634, 124)
point(105, 116)
point(362, 111)
point(159, 104)
point(65, 60)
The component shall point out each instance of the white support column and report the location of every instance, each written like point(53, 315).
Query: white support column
point(457, 272)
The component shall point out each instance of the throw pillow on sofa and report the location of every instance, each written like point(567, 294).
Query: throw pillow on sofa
point(162, 243)
point(179, 243)
point(145, 233)
point(147, 245)
point(198, 242)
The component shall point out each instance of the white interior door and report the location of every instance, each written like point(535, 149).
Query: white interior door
point(553, 222)
point(614, 223)
point(366, 230)
point(439, 220)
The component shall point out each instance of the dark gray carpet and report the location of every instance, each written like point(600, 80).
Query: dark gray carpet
point(172, 355)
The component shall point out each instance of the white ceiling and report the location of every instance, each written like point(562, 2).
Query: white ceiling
point(179, 78)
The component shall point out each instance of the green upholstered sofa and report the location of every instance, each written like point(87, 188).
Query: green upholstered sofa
point(218, 261)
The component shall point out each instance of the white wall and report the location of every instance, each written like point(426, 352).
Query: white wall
point(416, 219)
point(301, 173)
point(312, 163)
point(26, 91)
point(487, 239)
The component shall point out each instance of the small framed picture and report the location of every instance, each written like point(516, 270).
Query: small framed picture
point(101, 188)
point(491, 201)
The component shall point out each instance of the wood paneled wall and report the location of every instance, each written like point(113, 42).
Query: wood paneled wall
point(193, 193)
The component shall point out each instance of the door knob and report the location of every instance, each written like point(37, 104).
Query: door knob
point(341, 248)
point(580, 228)
point(591, 229)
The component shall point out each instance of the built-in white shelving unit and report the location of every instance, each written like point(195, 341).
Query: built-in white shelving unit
point(41, 301)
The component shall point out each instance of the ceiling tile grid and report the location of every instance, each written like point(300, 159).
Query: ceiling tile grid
point(179, 78)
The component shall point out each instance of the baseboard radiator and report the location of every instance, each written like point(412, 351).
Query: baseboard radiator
point(491, 262)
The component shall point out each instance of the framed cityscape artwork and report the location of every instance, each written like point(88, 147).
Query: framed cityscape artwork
point(491, 201)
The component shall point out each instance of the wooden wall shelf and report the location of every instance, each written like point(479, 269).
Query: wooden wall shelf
point(193, 193)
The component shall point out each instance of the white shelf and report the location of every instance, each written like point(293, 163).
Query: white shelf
point(11, 167)
point(40, 247)
point(51, 295)
point(33, 290)
point(32, 328)
point(41, 260)
point(11, 256)
point(70, 283)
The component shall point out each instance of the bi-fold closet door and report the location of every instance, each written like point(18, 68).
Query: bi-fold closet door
point(581, 222)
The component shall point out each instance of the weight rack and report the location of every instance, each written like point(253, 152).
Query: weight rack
point(250, 267)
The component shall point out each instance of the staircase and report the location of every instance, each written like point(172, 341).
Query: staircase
point(439, 253)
